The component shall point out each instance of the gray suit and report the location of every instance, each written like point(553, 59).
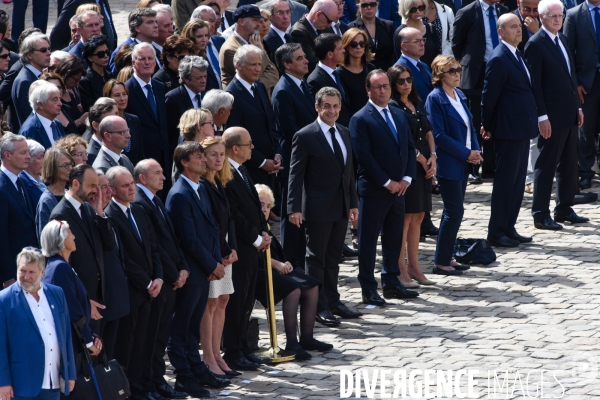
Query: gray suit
point(104, 161)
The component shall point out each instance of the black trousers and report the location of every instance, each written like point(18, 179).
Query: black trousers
point(558, 156)
point(586, 143)
point(324, 242)
point(109, 334)
point(293, 239)
point(512, 157)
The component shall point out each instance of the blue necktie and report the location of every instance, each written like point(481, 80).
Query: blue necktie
point(339, 84)
point(493, 31)
point(151, 99)
point(521, 64)
point(130, 218)
point(425, 72)
point(597, 28)
point(213, 59)
point(457, 5)
point(55, 131)
point(198, 100)
point(390, 125)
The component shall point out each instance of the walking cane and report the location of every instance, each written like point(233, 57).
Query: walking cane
point(274, 353)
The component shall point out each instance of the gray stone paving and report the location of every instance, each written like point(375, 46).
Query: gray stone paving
point(534, 309)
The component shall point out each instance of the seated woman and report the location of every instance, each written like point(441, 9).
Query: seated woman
point(294, 287)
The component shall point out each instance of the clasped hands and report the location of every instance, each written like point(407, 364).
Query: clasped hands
point(398, 187)
point(273, 166)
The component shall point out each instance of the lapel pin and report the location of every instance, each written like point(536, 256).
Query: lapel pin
point(52, 306)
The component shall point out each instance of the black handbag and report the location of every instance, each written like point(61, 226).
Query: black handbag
point(106, 381)
point(474, 251)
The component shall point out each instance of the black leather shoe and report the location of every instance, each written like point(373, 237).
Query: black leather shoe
point(325, 317)
point(301, 354)
point(461, 267)
point(431, 231)
point(316, 345)
point(585, 197)
point(503, 241)
point(165, 390)
point(399, 292)
point(240, 362)
point(439, 271)
point(585, 183)
point(572, 218)
point(256, 359)
point(521, 239)
point(344, 312)
point(232, 372)
point(348, 252)
point(372, 297)
point(207, 378)
point(153, 396)
point(191, 387)
point(548, 224)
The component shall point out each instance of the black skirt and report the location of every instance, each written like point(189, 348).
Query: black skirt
point(282, 284)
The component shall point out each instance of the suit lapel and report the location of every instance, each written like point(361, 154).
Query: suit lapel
point(377, 116)
point(78, 220)
point(18, 291)
point(555, 50)
point(510, 55)
point(479, 15)
point(320, 137)
point(42, 134)
point(15, 193)
point(254, 102)
point(125, 220)
point(186, 98)
point(197, 200)
point(296, 91)
point(586, 21)
point(139, 92)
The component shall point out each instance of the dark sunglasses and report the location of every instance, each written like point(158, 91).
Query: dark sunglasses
point(102, 54)
point(415, 9)
point(43, 49)
point(355, 45)
point(454, 71)
point(400, 81)
point(180, 57)
point(368, 5)
point(5, 56)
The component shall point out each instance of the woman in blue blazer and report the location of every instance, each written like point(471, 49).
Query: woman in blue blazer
point(456, 147)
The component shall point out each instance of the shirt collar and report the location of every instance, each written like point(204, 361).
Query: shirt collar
point(511, 48)
point(96, 139)
point(280, 33)
point(310, 23)
point(193, 184)
point(111, 153)
point(484, 5)
point(326, 68)
point(590, 6)
point(379, 108)
point(242, 39)
point(40, 292)
point(190, 93)
point(121, 206)
point(296, 80)
point(30, 177)
point(234, 164)
point(247, 85)
point(146, 191)
point(45, 121)
point(411, 60)
point(11, 176)
point(140, 81)
point(73, 201)
point(550, 34)
point(34, 70)
point(324, 127)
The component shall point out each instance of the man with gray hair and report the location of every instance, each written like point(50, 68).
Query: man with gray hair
point(280, 25)
point(35, 336)
point(35, 56)
point(164, 19)
point(115, 138)
point(32, 175)
point(219, 103)
point(17, 211)
point(192, 76)
point(42, 125)
point(88, 26)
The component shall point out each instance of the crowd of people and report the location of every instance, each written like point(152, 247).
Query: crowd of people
point(139, 175)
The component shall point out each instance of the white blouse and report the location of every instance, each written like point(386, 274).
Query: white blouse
point(463, 113)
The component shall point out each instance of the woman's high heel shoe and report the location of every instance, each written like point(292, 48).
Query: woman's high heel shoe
point(410, 285)
point(425, 281)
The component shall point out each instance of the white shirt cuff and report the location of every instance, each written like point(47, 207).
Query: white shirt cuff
point(542, 118)
point(387, 183)
point(150, 284)
point(90, 344)
point(407, 179)
point(258, 241)
point(263, 163)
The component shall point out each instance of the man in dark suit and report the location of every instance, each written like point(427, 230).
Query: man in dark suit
point(252, 239)
point(473, 39)
point(189, 207)
point(555, 88)
point(322, 197)
point(146, 100)
point(182, 11)
point(385, 152)
point(280, 23)
point(193, 72)
point(413, 48)
point(42, 126)
point(88, 25)
point(144, 272)
point(509, 117)
point(115, 139)
point(149, 179)
point(583, 38)
point(530, 20)
point(61, 34)
point(330, 53)
point(306, 30)
point(17, 211)
point(252, 110)
point(294, 108)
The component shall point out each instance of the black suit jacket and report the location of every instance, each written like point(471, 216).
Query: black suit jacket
point(583, 44)
point(142, 263)
point(93, 147)
point(116, 288)
point(91, 85)
point(317, 80)
point(104, 162)
point(177, 101)
point(274, 41)
point(319, 187)
point(555, 89)
point(6, 94)
point(383, 43)
point(93, 237)
point(135, 143)
point(468, 42)
point(172, 258)
point(169, 78)
point(20, 96)
point(303, 33)
point(526, 33)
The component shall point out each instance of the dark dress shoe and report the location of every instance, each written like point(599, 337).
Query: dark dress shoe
point(256, 359)
point(316, 345)
point(572, 218)
point(548, 224)
point(521, 239)
point(232, 372)
point(153, 396)
point(240, 362)
point(325, 317)
point(165, 390)
point(372, 297)
point(207, 378)
point(585, 197)
point(301, 354)
point(191, 387)
point(399, 292)
point(431, 231)
point(585, 183)
point(503, 241)
point(439, 271)
point(220, 376)
point(422, 239)
point(461, 267)
point(344, 312)
point(348, 252)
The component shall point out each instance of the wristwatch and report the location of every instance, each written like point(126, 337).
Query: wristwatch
point(433, 153)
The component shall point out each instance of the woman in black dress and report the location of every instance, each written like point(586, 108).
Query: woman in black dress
point(412, 12)
point(418, 194)
point(96, 52)
point(72, 69)
point(294, 287)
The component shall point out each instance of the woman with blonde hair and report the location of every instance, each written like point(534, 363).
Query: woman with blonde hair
point(196, 124)
point(76, 146)
point(218, 174)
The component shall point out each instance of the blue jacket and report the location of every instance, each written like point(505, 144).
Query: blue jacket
point(32, 128)
point(450, 133)
point(423, 85)
point(111, 63)
point(21, 344)
point(35, 188)
point(388, 9)
point(44, 208)
point(20, 96)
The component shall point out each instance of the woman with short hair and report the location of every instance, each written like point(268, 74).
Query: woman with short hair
point(76, 146)
point(175, 48)
point(97, 54)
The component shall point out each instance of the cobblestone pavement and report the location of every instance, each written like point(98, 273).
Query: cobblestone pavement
point(534, 309)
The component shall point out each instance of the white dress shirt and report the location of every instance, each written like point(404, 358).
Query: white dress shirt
point(147, 191)
point(489, 47)
point(380, 110)
point(192, 95)
point(95, 139)
point(124, 209)
point(143, 85)
point(281, 33)
point(296, 80)
point(457, 104)
point(236, 165)
point(116, 157)
point(513, 50)
point(325, 128)
point(45, 322)
point(193, 184)
point(47, 124)
point(76, 204)
point(246, 84)
point(11, 176)
point(328, 70)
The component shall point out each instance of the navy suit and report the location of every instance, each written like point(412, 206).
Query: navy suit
point(20, 96)
point(22, 365)
point(177, 102)
point(77, 50)
point(17, 226)
point(380, 158)
point(35, 190)
point(317, 80)
point(421, 76)
point(274, 41)
point(198, 236)
point(32, 128)
point(508, 111)
point(388, 9)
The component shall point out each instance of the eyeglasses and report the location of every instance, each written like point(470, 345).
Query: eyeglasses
point(368, 5)
point(67, 166)
point(355, 45)
point(43, 49)
point(400, 81)
point(415, 9)
point(5, 56)
point(208, 122)
point(387, 86)
point(453, 71)
point(29, 248)
point(339, 3)
point(102, 54)
point(83, 153)
point(245, 144)
point(417, 41)
point(555, 17)
point(122, 133)
point(282, 13)
point(326, 17)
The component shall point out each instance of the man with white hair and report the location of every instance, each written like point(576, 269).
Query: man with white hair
point(555, 90)
point(164, 19)
point(42, 125)
point(219, 103)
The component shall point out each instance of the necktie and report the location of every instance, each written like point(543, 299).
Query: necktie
point(223, 23)
point(151, 98)
point(157, 204)
point(561, 52)
point(20, 188)
point(288, 39)
point(130, 218)
point(214, 62)
point(198, 99)
point(242, 171)
point(55, 131)
point(597, 28)
point(336, 29)
point(339, 84)
point(390, 125)
point(493, 31)
point(306, 92)
point(521, 64)
point(253, 90)
point(121, 161)
point(337, 150)
point(457, 5)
